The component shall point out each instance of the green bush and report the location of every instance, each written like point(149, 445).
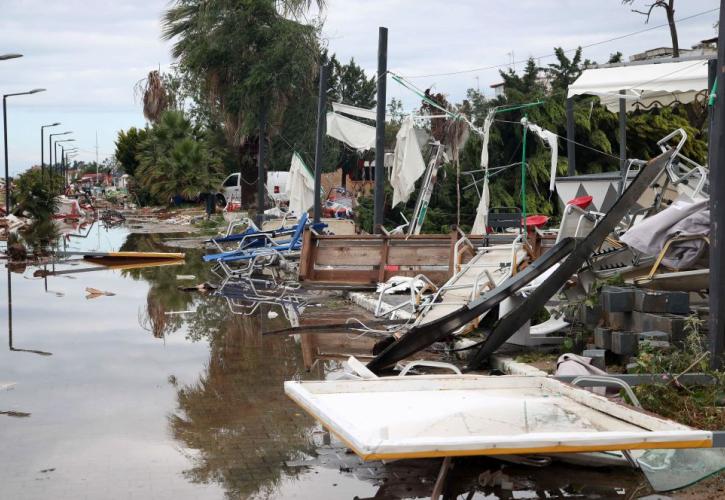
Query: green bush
point(35, 193)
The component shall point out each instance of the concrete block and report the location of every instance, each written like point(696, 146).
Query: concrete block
point(590, 316)
point(625, 343)
point(656, 301)
point(603, 337)
point(597, 356)
point(616, 299)
point(671, 324)
point(618, 320)
point(656, 339)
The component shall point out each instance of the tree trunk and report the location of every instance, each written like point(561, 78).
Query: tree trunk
point(673, 29)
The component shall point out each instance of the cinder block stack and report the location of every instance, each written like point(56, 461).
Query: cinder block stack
point(633, 316)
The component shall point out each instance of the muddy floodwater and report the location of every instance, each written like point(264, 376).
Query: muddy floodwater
point(156, 393)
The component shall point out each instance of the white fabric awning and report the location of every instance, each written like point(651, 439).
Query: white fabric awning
point(300, 186)
point(370, 114)
point(355, 134)
point(645, 84)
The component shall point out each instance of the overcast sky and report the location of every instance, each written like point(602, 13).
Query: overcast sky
point(89, 54)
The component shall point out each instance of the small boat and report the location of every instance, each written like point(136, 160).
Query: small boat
point(126, 257)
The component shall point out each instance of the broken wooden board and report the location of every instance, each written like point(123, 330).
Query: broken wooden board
point(369, 259)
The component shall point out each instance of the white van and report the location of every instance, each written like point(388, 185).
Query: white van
point(276, 185)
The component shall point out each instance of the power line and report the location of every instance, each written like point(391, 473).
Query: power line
point(602, 42)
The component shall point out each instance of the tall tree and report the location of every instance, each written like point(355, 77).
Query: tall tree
point(245, 55)
point(127, 147)
point(564, 71)
point(156, 99)
point(669, 8)
point(349, 84)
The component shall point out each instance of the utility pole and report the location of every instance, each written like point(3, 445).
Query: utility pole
point(622, 140)
point(261, 161)
point(379, 212)
point(570, 137)
point(320, 140)
point(96, 156)
point(717, 207)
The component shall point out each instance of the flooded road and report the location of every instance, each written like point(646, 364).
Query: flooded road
point(109, 396)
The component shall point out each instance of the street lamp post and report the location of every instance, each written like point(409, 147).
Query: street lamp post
point(64, 160)
point(50, 150)
point(42, 146)
point(5, 137)
point(57, 143)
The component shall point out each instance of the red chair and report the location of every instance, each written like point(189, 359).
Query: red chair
point(581, 202)
point(536, 221)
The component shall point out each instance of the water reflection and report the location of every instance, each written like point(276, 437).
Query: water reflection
point(204, 413)
point(236, 417)
point(11, 345)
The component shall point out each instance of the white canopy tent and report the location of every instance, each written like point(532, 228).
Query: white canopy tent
point(644, 84)
point(630, 86)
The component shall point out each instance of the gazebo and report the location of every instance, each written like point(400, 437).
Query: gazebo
point(626, 87)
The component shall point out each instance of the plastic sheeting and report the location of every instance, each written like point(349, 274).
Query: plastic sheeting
point(645, 84)
point(549, 138)
point(481, 222)
point(353, 133)
point(300, 186)
point(408, 164)
point(370, 114)
point(683, 218)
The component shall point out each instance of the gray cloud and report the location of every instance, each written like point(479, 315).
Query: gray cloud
point(90, 54)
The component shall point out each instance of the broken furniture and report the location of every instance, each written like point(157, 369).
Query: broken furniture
point(264, 245)
point(571, 252)
point(457, 415)
point(366, 260)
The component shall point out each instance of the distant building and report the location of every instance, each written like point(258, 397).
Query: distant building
point(704, 48)
point(543, 79)
point(104, 179)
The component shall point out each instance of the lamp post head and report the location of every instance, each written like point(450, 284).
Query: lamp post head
point(36, 91)
point(5, 57)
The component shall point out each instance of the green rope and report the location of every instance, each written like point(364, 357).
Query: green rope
point(455, 116)
point(505, 109)
point(713, 94)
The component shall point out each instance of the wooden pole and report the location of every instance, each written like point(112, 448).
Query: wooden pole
point(717, 209)
point(379, 211)
point(320, 140)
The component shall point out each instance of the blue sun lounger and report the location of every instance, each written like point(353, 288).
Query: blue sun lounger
point(262, 243)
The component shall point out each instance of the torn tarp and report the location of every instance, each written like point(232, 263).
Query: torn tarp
point(370, 114)
point(684, 217)
point(481, 222)
point(408, 164)
point(355, 134)
point(550, 138)
point(300, 186)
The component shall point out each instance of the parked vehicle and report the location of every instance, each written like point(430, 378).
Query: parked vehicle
point(231, 189)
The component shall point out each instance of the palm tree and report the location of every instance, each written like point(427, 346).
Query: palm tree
point(156, 99)
point(245, 54)
point(176, 159)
